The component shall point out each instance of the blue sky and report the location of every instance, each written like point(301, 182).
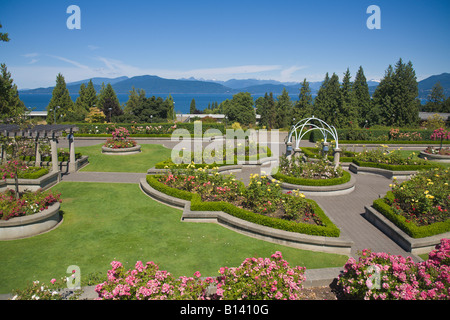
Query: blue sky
point(281, 40)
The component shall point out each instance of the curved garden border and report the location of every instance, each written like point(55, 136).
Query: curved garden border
point(435, 157)
point(339, 245)
point(314, 190)
point(28, 226)
point(399, 174)
point(408, 243)
point(121, 151)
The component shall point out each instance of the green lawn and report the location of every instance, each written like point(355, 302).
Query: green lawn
point(106, 222)
point(140, 162)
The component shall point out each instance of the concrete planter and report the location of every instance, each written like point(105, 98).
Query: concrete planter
point(435, 157)
point(44, 182)
point(338, 189)
point(413, 245)
point(121, 151)
point(383, 172)
point(340, 245)
point(28, 226)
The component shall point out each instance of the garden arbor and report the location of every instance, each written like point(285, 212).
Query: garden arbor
point(301, 128)
point(51, 132)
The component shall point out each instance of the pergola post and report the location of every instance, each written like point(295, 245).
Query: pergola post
point(72, 167)
point(337, 156)
point(54, 152)
point(37, 163)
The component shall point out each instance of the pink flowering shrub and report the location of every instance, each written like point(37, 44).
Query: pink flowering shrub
point(120, 139)
point(147, 282)
point(261, 279)
point(390, 277)
point(255, 278)
point(440, 134)
point(29, 203)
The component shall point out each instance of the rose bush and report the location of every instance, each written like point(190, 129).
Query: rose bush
point(120, 139)
point(424, 199)
point(263, 195)
point(389, 277)
point(255, 278)
point(28, 203)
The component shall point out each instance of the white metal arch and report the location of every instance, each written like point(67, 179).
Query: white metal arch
point(325, 128)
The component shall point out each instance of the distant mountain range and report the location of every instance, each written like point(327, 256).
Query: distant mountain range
point(158, 85)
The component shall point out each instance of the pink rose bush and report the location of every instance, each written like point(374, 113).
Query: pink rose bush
point(379, 276)
point(261, 279)
point(29, 203)
point(255, 278)
point(120, 139)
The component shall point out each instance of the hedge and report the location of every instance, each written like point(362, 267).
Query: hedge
point(374, 135)
point(310, 152)
point(329, 230)
point(100, 128)
point(393, 167)
point(313, 182)
point(33, 175)
point(409, 228)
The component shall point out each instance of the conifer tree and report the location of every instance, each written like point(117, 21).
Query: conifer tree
point(11, 107)
point(362, 98)
point(396, 96)
point(304, 106)
point(61, 103)
point(284, 109)
point(108, 102)
point(192, 108)
point(170, 108)
point(347, 106)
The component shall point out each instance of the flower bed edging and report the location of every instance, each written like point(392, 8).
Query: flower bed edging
point(121, 151)
point(413, 245)
point(383, 172)
point(435, 157)
point(317, 190)
point(339, 245)
point(44, 182)
point(28, 226)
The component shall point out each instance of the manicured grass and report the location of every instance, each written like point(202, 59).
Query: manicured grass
point(140, 162)
point(106, 222)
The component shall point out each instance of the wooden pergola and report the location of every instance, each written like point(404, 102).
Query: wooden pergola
point(52, 132)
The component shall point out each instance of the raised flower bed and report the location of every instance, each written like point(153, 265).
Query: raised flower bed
point(260, 210)
point(313, 177)
point(120, 143)
point(416, 213)
point(33, 213)
point(438, 154)
point(390, 164)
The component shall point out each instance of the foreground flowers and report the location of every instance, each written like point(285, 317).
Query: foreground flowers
point(389, 277)
point(254, 279)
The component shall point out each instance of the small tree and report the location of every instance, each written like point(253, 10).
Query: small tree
point(440, 134)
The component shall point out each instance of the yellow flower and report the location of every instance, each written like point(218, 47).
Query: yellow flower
point(268, 189)
point(426, 191)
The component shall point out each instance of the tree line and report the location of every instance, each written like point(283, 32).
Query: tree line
point(91, 106)
point(343, 103)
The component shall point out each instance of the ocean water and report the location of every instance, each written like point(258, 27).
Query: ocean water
point(39, 102)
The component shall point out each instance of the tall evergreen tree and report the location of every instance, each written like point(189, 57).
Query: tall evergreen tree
point(304, 106)
point(192, 108)
point(261, 110)
point(397, 96)
point(436, 99)
point(61, 103)
point(108, 102)
point(328, 101)
point(362, 98)
point(11, 107)
point(382, 100)
point(240, 109)
point(284, 109)
point(347, 114)
point(170, 108)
